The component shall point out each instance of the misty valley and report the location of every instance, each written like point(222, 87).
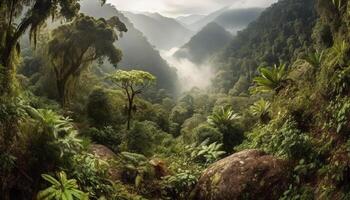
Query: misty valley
point(174, 100)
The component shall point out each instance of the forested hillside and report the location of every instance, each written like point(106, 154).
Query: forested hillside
point(281, 34)
point(206, 42)
point(76, 125)
point(235, 20)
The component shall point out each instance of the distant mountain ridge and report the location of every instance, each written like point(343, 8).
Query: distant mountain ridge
point(231, 19)
point(163, 32)
point(190, 19)
point(198, 25)
point(209, 40)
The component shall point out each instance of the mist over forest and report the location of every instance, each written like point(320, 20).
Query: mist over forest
point(174, 100)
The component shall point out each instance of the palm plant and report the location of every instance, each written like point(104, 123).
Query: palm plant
point(223, 117)
point(315, 59)
point(337, 53)
point(261, 109)
point(271, 79)
point(61, 189)
point(224, 120)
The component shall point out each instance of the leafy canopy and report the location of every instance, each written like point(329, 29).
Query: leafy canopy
point(19, 16)
point(133, 83)
point(76, 45)
point(85, 40)
point(134, 79)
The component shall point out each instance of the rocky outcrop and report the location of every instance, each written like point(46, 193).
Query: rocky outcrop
point(250, 174)
point(106, 154)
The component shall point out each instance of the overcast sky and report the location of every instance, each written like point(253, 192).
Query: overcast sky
point(185, 7)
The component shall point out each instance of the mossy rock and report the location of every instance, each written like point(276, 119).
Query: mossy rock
point(250, 174)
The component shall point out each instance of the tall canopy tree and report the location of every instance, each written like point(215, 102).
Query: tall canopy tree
point(76, 45)
point(33, 15)
point(133, 83)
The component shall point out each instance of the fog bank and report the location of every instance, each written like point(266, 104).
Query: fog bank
point(190, 74)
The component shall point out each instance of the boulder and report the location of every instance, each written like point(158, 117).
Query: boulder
point(106, 154)
point(250, 174)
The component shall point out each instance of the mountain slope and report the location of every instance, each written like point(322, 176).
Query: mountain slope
point(209, 40)
point(280, 34)
point(138, 53)
point(231, 19)
point(165, 33)
point(190, 19)
point(198, 25)
point(237, 19)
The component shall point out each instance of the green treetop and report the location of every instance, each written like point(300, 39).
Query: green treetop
point(76, 45)
point(33, 15)
point(133, 82)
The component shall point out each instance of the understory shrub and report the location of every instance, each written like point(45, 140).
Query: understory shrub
point(143, 138)
point(107, 136)
point(206, 132)
point(281, 138)
point(92, 174)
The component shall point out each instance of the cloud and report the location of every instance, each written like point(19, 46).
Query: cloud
point(184, 7)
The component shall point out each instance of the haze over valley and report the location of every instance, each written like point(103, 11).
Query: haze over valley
point(183, 43)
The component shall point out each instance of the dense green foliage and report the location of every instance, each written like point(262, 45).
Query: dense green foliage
point(62, 188)
point(271, 79)
point(281, 34)
point(133, 83)
point(76, 45)
point(115, 141)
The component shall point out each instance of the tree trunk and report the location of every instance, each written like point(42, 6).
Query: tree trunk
point(129, 113)
point(8, 72)
point(130, 107)
point(61, 89)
